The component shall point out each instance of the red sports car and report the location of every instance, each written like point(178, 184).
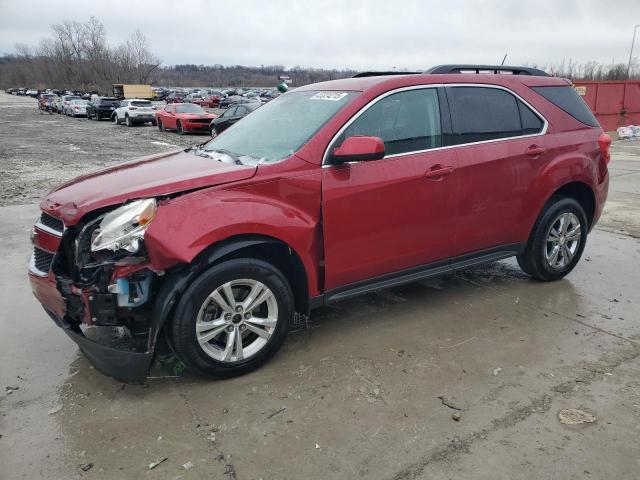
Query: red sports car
point(211, 101)
point(184, 118)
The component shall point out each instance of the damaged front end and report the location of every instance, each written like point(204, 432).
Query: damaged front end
point(95, 280)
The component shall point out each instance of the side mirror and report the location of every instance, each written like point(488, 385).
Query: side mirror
point(358, 149)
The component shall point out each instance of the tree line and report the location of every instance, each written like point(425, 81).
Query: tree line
point(76, 56)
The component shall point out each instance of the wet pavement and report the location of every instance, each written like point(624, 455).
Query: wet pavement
point(356, 393)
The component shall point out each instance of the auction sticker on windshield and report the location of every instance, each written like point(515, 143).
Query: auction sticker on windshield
point(332, 96)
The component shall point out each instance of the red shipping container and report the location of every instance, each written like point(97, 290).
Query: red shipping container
point(614, 103)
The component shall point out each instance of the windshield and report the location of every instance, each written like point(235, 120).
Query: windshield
point(280, 127)
point(190, 108)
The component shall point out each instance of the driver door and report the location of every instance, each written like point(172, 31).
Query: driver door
point(396, 213)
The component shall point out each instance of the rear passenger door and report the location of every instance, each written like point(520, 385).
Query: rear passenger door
point(501, 148)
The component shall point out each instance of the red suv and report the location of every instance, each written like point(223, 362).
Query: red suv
point(329, 191)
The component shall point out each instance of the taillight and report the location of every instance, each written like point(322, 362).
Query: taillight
point(604, 141)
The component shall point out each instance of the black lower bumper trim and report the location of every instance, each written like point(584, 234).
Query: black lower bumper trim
point(124, 366)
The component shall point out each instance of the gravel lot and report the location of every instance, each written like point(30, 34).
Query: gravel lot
point(369, 390)
point(39, 151)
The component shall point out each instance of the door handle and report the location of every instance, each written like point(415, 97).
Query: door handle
point(438, 171)
point(535, 151)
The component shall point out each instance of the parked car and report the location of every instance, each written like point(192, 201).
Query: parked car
point(46, 102)
point(102, 107)
point(230, 116)
point(175, 97)
point(134, 111)
point(234, 100)
point(66, 103)
point(77, 108)
point(184, 118)
point(57, 104)
point(330, 191)
point(212, 101)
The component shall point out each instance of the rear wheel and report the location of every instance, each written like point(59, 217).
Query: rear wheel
point(232, 318)
point(557, 241)
point(160, 126)
point(127, 121)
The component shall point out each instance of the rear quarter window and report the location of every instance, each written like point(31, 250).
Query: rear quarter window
point(566, 98)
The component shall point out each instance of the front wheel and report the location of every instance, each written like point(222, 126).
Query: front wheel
point(179, 128)
point(557, 241)
point(160, 126)
point(127, 121)
point(232, 318)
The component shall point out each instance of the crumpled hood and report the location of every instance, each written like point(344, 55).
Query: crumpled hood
point(156, 175)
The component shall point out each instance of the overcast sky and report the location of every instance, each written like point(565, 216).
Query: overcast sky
point(374, 34)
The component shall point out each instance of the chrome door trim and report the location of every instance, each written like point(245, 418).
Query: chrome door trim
point(421, 87)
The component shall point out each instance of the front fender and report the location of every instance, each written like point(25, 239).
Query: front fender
point(287, 209)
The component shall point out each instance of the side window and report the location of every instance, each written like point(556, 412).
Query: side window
point(479, 114)
point(124, 103)
point(531, 123)
point(406, 121)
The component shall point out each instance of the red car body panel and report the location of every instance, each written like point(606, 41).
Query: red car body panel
point(161, 174)
point(386, 215)
point(283, 203)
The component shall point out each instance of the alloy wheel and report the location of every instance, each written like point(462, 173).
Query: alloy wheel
point(236, 320)
point(563, 240)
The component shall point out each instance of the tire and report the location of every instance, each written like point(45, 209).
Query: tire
point(127, 121)
point(160, 126)
point(197, 306)
point(551, 234)
point(179, 128)
point(115, 119)
point(154, 122)
point(213, 132)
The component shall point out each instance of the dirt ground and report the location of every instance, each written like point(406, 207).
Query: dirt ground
point(368, 390)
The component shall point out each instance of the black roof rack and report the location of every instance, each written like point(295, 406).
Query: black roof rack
point(487, 68)
point(378, 74)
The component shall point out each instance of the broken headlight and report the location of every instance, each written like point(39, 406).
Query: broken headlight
point(123, 228)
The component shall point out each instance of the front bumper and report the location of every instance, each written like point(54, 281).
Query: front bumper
point(108, 355)
point(196, 127)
